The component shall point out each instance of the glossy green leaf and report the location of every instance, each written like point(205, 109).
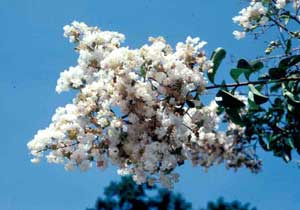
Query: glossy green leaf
point(273, 138)
point(226, 99)
point(236, 73)
point(263, 144)
point(289, 142)
point(256, 96)
point(289, 62)
point(257, 65)
point(285, 16)
point(247, 68)
point(291, 98)
point(284, 63)
point(277, 73)
point(234, 116)
point(220, 110)
point(286, 155)
point(288, 46)
point(223, 86)
point(243, 64)
point(263, 77)
point(217, 57)
point(252, 105)
point(294, 60)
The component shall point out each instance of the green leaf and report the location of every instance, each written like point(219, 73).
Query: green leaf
point(294, 60)
point(217, 57)
point(291, 98)
point(223, 86)
point(257, 65)
point(143, 71)
point(243, 64)
point(266, 1)
point(263, 77)
point(234, 116)
point(226, 99)
point(249, 68)
point(277, 73)
point(220, 110)
point(278, 102)
point(286, 155)
point(263, 144)
point(285, 63)
point(288, 46)
point(275, 87)
point(253, 106)
point(274, 138)
point(236, 73)
point(291, 108)
point(289, 142)
point(286, 18)
point(256, 96)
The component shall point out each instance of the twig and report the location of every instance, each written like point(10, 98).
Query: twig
point(253, 83)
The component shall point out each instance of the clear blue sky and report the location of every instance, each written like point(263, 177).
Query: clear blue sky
point(32, 54)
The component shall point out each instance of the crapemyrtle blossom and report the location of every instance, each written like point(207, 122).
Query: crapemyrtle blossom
point(280, 4)
point(139, 109)
point(264, 14)
point(252, 16)
point(239, 34)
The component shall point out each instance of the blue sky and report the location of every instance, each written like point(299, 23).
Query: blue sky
point(33, 52)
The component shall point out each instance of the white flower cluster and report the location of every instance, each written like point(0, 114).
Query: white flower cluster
point(138, 109)
point(256, 14)
point(251, 17)
point(282, 4)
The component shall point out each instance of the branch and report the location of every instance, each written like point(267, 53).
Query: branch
point(266, 58)
point(61, 147)
point(281, 26)
point(293, 17)
point(253, 83)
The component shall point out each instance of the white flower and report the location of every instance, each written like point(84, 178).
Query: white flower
point(132, 110)
point(280, 4)
point(239, 34)
point(251, 16)
point(35, 160)
point(296, 5)
point(85, 165)
point(72, 78)
point(70, 166)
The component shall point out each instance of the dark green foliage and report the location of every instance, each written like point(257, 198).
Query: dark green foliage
point(256, 96)
point(272, 118)
point(229, 100)
point(222, 205)
point(231, 105)
point(236, 73)
point(127, 195)
point(217, 57)
point(277, 126)
point(246, 68)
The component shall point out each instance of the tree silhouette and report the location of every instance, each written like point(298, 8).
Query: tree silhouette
point(220, 204)
point(127, 195)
